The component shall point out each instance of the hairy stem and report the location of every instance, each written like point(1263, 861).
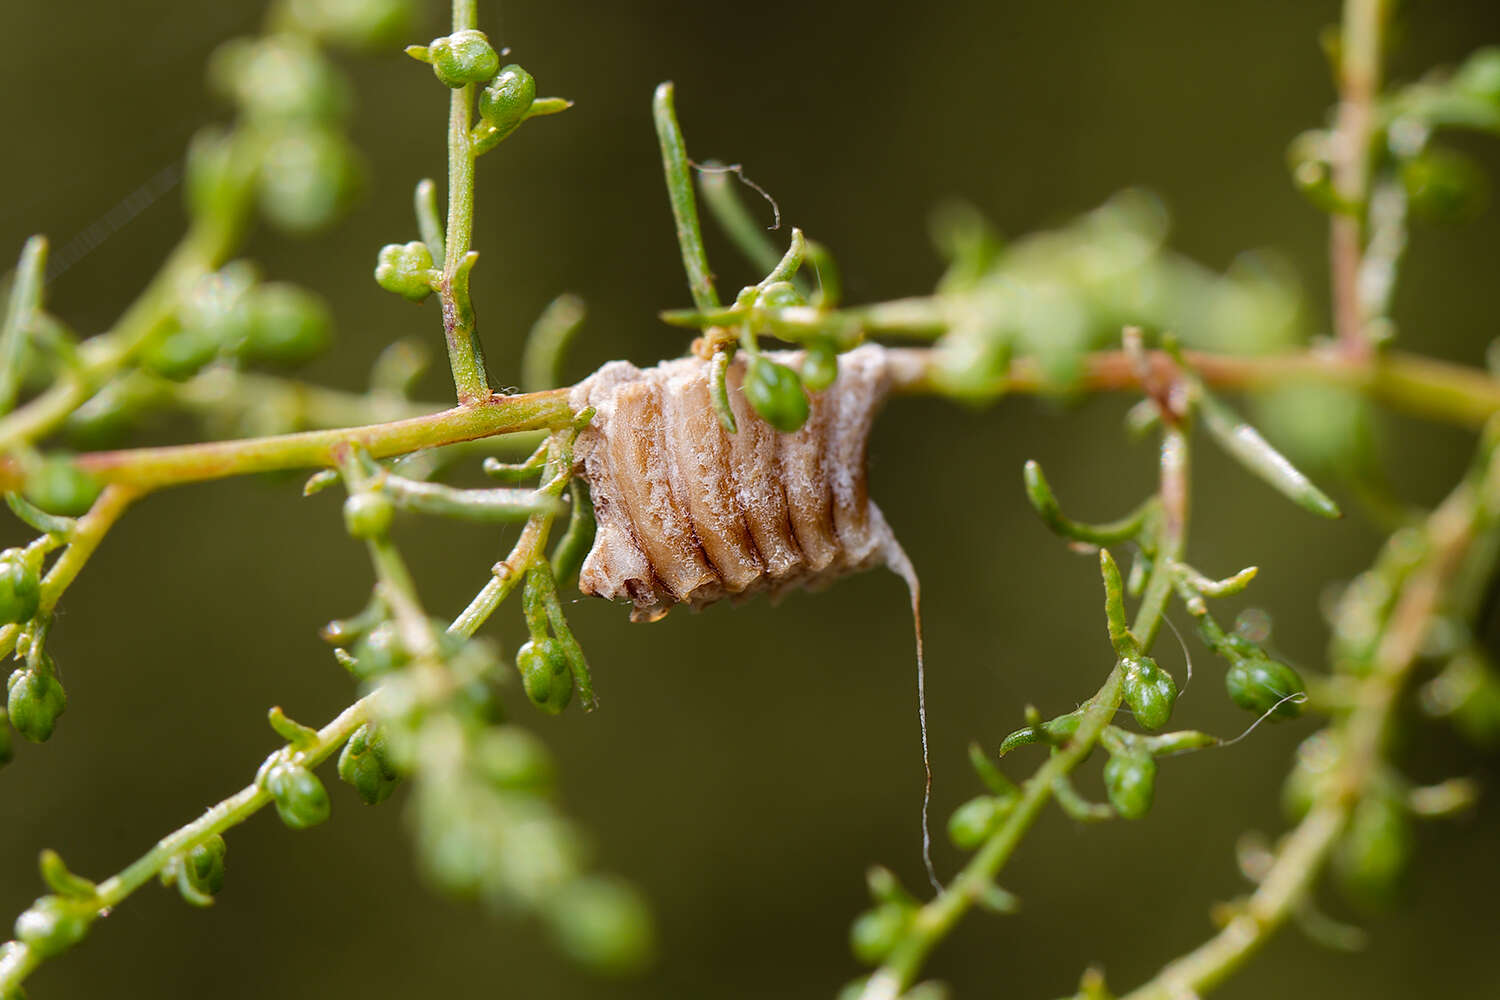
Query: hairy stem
point(464, 353)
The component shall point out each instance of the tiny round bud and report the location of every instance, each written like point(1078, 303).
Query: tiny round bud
point(286, 325)
point(402, 268)
point(505, 100)
point(59, 486)
point(1479, 76)
point(365, 763)
point(514, 760)
point(545, 674)
point(278, 78)
point(358, 23)
point(35, 699)
point(20, 587)
point(379, 651)
point(1130, 781)
point(307, 177)
point(1444, 186)
point(972, 823)
point(216, 177)
point(462, 58)
point(53, 925)
point(301, 800)
point(776, 393)
point(205, 865)
point(876, 932)
point(604, 925)
point(1259, 683)
point(1150, 692)
point(368, 515)
point(820, 366)
point(180, 353)
point(779, 295)
point(1375, 848)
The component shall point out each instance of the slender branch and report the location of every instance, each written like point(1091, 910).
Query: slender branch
point(1363, 735)
point(464, 353)
point(87, 533)
point(938, 916)
point(17, 960)
point(153, 468)
point(1360, 55)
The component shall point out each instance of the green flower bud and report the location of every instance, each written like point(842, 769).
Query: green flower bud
point(35, 699)
point(1256, 683)
point(20, 587)
point(287, 325)
point(204, 865)
point(1479, 76)
point(820, 366)
point(279, 78)
point(1150, 692)
point(301, 800)
point(368, 515)
point(307, 177)
point(180, 353)
point(972, 823)
point(403, 268)
point(1444, 186)
point(545, 674)
point(379, 651)
point(365, 763)
point(462, 58)
point(604, 925)
point(512, 759)
point(54, 924)
point(505, 100)
point(1374, 850)
point(779, 295)
point(775, 391)
point(1130, 780)
point(876, 932)
point(59, 486)
point(357, 23)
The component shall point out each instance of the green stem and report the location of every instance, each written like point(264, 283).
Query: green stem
point(674, 160)
point(935, 919)
point(464, 353)
point(1362, 736)
point(87, 533)
point(20, 960)
point(25, 299)
point(154, 468)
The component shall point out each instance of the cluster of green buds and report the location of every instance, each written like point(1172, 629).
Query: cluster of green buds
point(229, 314)
point(289, 151)
point(1436, 183)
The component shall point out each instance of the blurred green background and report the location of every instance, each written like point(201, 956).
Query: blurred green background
point(746, 764)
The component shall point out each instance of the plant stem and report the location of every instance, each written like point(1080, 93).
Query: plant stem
point(1360, 55)
point(87, 533)
point(19, 960)
point(935, 919)
point(464, 353)
point(1363, 734)
point(153, 468)
point(678, 171)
